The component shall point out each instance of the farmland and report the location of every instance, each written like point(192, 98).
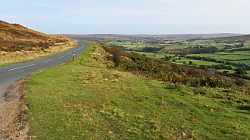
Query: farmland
point(214, 54)
point(240, 57)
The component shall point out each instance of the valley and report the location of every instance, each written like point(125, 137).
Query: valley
point(130, 87)
point(219, 55)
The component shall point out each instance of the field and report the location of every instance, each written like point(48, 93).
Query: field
point(195, 62)
point(181, 61)
point(234, 52)
point(238, 57)
point(152, 55)
point(248, 73)
point(84, 99)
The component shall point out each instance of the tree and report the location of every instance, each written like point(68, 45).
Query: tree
point(240, 71)
point(117, 52)
point(167, 58)
point(225, 72)
point(190, 63)
point(242, 44)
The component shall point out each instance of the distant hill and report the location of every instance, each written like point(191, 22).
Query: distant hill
point(15, 37)
point(165, 36)
point(242, 37)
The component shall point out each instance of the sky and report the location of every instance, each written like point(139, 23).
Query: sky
point(129, 16)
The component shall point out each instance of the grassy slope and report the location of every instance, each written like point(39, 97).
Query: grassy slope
point(84, 99)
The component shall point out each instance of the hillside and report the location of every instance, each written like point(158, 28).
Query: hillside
point(242, 37)
point(98, 101)
point(16, 39)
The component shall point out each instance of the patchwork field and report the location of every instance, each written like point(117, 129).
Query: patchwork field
point(195, 62)
point(222, 55)
point(178, 60)
point(238, 57)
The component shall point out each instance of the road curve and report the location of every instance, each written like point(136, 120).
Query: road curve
point(11, 73)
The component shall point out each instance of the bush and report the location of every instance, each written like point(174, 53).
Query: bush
point(117, 56)
point(240, 71)
point(165, 71)
point(190, 63)
point(239, 82)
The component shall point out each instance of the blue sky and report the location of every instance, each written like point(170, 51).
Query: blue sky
point(129, 16)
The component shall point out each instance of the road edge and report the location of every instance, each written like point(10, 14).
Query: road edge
point(12, 123)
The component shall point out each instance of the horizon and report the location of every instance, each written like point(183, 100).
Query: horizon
point(157, 34)
point(129, 17)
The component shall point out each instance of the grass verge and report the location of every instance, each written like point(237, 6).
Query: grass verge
point(86, 100)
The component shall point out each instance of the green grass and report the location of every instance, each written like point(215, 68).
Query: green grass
point(116, 43)
point(182, 61)
point(227, 56)
point(175, 46)
point(248, 73)
point(185, 44)
point(128, 44)
point(229, 71)
point(85, 100)
point(236, 57)
point(247, 62)
point(247, 44)
point(136, 46)
point(152, 55)
point(196, 62)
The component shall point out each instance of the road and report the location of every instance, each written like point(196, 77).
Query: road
point(11, 73)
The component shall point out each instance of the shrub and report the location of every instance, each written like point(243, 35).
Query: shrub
point(240, 71)
point(166, 71)
point(190, 63)
point(239, 81)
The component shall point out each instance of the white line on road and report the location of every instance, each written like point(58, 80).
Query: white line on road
point(62, 56)
point(48, 60)
point(43, 62)
point(22, 67)
point(78, 49)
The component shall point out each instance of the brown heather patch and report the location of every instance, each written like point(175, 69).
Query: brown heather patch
point(22, 44)
point(18, 56)
point(16, 32)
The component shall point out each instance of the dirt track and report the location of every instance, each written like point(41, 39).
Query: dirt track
point(12, 117)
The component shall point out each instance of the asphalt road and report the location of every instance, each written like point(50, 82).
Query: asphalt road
point(11, 73)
